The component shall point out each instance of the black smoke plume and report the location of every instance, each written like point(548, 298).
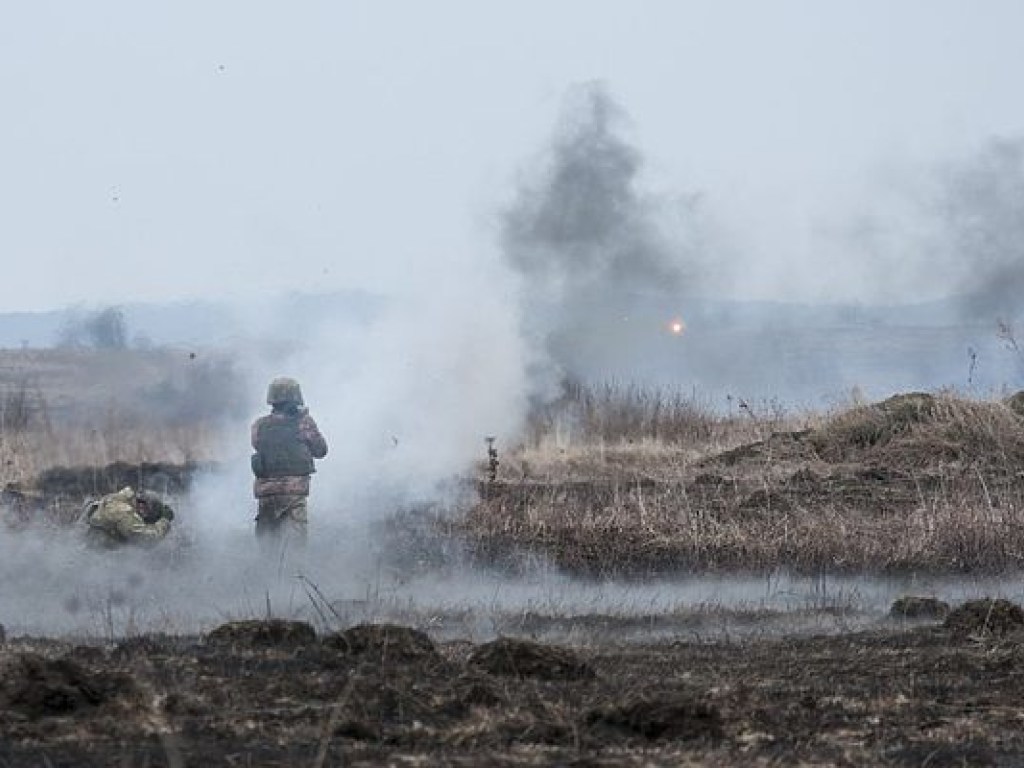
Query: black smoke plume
point(586, 242)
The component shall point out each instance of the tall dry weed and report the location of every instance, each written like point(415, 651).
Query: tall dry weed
point(28, 451)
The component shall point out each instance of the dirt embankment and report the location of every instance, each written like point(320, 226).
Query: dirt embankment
point(274, 693)
point(57, 494)
point(915, 482)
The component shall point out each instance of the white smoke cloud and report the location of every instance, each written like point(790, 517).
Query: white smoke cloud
point(404, 398)
point(406, 404)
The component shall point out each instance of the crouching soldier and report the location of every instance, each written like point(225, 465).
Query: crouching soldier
point(127, 517)
point(286, 442)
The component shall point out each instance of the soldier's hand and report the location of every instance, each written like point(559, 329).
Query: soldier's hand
point(168, 513)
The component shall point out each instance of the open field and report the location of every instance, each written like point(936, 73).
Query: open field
point(610, 492)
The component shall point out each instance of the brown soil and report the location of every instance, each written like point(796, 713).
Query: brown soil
point(677, 717)
point(510, 657)
point(36, 687)
point(902, 698)
point(383, 642)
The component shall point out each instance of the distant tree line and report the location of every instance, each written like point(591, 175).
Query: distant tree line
point(193, 388)
point(104, 328)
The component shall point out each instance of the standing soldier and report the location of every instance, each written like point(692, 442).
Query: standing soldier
point(286, 441)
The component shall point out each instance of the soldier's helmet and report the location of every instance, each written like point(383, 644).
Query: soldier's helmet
point(284, 390)
point(151, 507)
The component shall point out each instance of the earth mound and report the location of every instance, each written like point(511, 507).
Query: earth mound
point(146, 646)
point(388, 642)
point(58, 493)
point(662, 718)
point(987, 616)
point(907, 430)
point(872, 425)
point(1015, 403)
point(263, 633)
point(915, 607)
point(39, 687)
point(916, 429)
point(510, 657)
point(80, 482)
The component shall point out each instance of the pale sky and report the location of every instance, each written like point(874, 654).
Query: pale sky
point(231, 149)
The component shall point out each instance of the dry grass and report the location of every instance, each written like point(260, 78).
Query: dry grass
point(613, 412)
point(37, 444)
point(919, 430)
point(610, 430)
point(929, 482)
point(633, 530)
point(25, 455)
point(96, 407)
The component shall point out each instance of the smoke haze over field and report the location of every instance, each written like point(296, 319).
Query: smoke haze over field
point(522, 190)
point(54, 586)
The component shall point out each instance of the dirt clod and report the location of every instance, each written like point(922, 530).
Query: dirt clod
point(987, 616)
point(356, 730)
point(266, 633)
point(915, 607)
point(511, 657)
point(387, 642)
point(39, 687)
point(662, 718)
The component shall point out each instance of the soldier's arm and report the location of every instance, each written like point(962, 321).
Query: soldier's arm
point(252, 433)
point(312, 438)
point(137, 530)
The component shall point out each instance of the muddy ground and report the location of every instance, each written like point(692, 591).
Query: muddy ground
point(259, 693)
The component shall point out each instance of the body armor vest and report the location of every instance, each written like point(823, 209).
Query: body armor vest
point(280, 451)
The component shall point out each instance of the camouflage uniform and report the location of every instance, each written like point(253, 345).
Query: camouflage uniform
point(286, 442)
point(126, 517)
